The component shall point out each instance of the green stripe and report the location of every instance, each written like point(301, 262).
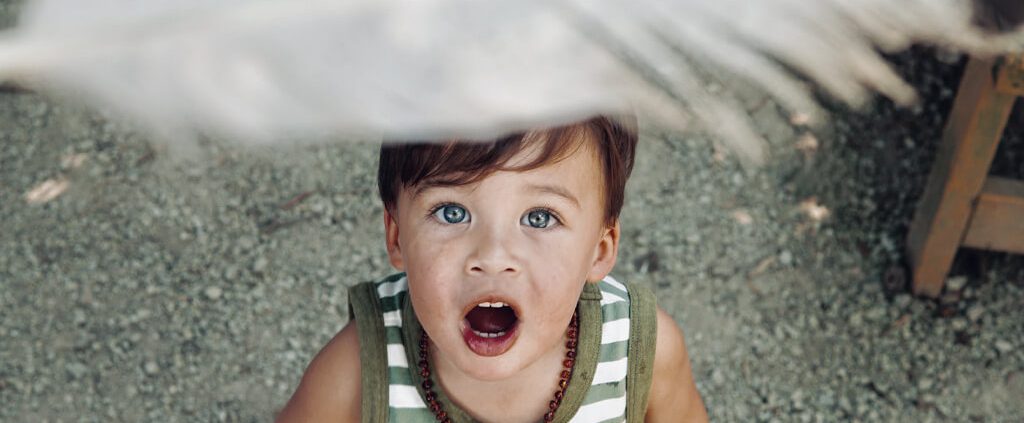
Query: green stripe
point(393, 302)
point(614, 311)
point(605, 391)
point(611, 289)
point(393, 335)
point(614, 351)
point(406, 415)
point(399, 376)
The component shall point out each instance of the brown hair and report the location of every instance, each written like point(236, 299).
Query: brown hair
point(459, 162)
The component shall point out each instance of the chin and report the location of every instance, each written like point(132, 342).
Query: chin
point(490, 369)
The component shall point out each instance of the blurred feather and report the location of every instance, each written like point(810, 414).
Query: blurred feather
point(266, 71)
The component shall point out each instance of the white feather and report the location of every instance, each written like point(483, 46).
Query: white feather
point(266, 70)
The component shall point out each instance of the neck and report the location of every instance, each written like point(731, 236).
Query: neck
point(531, 389)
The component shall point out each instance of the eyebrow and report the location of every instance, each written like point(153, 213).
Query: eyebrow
point(556, 190)
point(432, 183)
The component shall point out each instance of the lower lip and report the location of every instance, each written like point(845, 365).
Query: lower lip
point(489, 347)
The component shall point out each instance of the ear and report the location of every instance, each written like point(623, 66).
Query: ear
point(391, 240)
point(605, 253)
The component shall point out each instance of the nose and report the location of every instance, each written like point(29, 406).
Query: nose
point(492, 255)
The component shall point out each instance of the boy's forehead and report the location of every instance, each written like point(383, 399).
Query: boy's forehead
point(553, 176)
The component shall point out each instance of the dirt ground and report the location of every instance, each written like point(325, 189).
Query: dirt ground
point(134, 287)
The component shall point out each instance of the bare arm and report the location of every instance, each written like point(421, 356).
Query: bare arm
point(330, 388)
point(673, 396)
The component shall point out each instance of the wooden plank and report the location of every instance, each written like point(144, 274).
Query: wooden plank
point(965, 154)
point(998, 219)
point(1010, 75)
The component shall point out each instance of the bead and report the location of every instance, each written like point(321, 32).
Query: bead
point(442, 415)
point(571, 343)
point(553, 405)
point(430, 397)
point(571, 354)
point(565, 374)
point(558, 395)
point(424, 373)
point(427, 384)
point(567, 362)
point(435, 407)
point(563, 383)
point(550, 416)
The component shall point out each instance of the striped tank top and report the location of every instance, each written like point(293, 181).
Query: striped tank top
point(610, 380)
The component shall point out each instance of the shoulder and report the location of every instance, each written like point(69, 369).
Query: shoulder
point(330, 388)
point(673, 391)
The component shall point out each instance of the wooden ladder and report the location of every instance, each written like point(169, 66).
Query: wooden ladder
point(962, 205)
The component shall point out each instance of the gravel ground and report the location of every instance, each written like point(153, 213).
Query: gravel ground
point(155, 289)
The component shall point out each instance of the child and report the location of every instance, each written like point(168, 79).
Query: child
point(505, 311)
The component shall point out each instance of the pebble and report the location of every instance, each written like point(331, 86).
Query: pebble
point(151, 368)
point(1003, 347)
point(213, 292)
point(975, 312)
point(786, 258)
point(956, 283)
point(260, 264)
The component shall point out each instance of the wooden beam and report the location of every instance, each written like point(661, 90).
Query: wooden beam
point(1010, 76)
point(965, 154)
point(998, 219)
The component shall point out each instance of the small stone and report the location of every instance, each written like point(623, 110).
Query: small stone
point(77, 370)
point(856, 320)
point(151, 368)
point(717, 377)
point(260, 264)
point(925, 384)
point(1003, 346)
point(786, 258)
point(956, 283)
point(959, 323)
point(213, 293)
point(974, 313)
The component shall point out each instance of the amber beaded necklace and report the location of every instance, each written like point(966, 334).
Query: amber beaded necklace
point(570, 359)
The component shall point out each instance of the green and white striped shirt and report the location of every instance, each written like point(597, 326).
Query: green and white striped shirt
point(615, 352)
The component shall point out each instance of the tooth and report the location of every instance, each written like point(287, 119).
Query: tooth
point(485, 304)
point(498, 304)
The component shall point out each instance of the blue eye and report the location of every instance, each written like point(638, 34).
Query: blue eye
point(538, 219)
point(451, 213)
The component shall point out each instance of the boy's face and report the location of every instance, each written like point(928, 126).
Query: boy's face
point(525, 242)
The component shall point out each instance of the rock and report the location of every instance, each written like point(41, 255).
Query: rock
point(213, 292)
point(925, 384)
point(151, 368)
point(956, 283)
point(785, 258)
point(975, 312)
point(1003, 346)
point(260, 264)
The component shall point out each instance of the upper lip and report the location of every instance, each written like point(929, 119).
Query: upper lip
point(492, 298)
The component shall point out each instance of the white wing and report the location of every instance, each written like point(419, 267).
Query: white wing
point(267, 70)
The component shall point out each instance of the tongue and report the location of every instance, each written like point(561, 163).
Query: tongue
point(491, 320)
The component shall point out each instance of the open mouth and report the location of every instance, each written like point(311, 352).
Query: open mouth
point(490, 328)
